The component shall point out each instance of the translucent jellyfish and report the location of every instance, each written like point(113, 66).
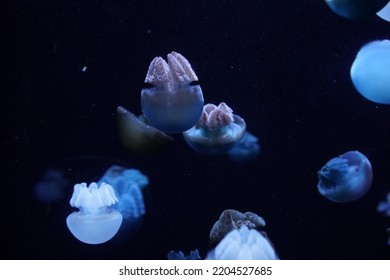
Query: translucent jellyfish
point(217, 131)
point(384, 206)
point(127, 185)
point(194, 255)
point(247, 150)
point(345, 178)
point(370, 71)
point(96, 222)
point(356, 9)
point(385, 13)
point(52, 186)
point(243, 244)
point(136, 135)
point(173, 104)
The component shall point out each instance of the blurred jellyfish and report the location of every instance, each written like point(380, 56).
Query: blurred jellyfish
point(345, 178)
point(96, 222)
point(194, 255)
point(384, 206)
point(127, 185)
point(172, 104)
point(217, 131)
point(356, 9)
point(385, 13)
point(136, 135)
point(247, 150)
point(52, 186)
point(370, 71)
point(243, 244)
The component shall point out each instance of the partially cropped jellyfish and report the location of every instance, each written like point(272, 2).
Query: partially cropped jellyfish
point(95, 222)
point(217, 131)
point(127, 185)
point(52, 186)
point(194, 255)
point(238, 237)
point(384, 206)
point(345, 178)
point(385, 13)
point(173, 104)
point(137, 135)
point(246, 150)
point(370, 71)
point(243, 244)
point(356, 9)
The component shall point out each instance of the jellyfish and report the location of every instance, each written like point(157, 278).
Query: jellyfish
point(127, 185)
point(385, 13)
point(194, 255)
point(384, 206)
point(217, 131)
point(345, 178)
point(136, 135)
point(370, 71)
point(243, 244)
point(51, 188)
point(96, 222)
point(173, 104)
point(356, 9)
point(246, 150)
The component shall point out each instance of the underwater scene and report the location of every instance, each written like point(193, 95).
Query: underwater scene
point(196, 130)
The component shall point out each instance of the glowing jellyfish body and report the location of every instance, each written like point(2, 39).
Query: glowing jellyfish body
point(96, 222)
point(385, 13)
point(246, 150)
point(356, 9)
point(345, 178)
point(172, 104)
point(370, 71)
point(217, 131)
point(127, 185)
point(384, 206)
point(243, 244)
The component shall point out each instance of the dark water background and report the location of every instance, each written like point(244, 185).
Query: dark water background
point(281, 65)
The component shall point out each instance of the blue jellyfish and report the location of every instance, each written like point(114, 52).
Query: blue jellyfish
point(52, 186)
point(384, 206)
point(96, 222)
point(194, 255)
point(356, 9)
point(385, 13)
point(345, 178)
point(245, 151)
point(217, 131)
point(370, 71)
point(173, 104)
point(243, 244)
point(127, 185)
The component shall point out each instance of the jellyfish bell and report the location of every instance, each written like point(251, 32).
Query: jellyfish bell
point(173, 104)
point(345, 178)
point(356, 9)
point(370, 71)
point(245, 151)
point(96, 222)
point(217, 131)
point(385, 13)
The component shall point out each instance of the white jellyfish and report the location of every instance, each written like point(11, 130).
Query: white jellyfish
point(370, 71)
point(96, 222)
point(243, 244)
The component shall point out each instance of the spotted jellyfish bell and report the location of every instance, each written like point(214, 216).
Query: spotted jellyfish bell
point(96, 222)
point(345, 178)
point(217, 131)
point(370, 71)
point(173, 104)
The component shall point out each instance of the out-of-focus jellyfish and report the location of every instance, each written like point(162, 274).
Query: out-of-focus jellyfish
point(232, 219)
point(370, 71)
point(243, 244)
point(217, 131)
point(384, 206)
point(96, 222)
point(173, 104)
point(127, 185)
point(194, 255)
point(356, 9)
point(247, 150)
point(51, 188)
point(385, 13)
point(137, 135)
point(345, 178)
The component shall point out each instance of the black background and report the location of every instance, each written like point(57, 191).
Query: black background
point(281, 65)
